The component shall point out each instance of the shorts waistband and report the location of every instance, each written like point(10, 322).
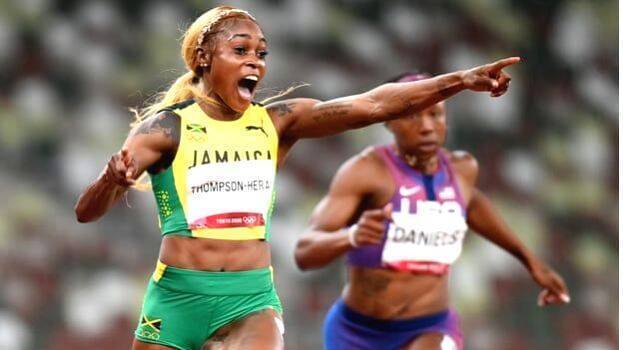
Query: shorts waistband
point(212, 282)
point(391, 325)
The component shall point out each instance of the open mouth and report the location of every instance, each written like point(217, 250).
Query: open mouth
point(427, 145)
point(247, 85)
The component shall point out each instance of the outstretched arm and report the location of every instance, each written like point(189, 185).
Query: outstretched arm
point(305, 118)
point(484, 219)
point(328, 236)
point(143, 148)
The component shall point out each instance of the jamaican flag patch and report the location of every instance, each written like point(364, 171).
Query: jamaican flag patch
point(153, 323)
point(196, 128)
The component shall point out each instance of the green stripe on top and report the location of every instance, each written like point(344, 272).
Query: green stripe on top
point(270, 213)
point(170, 210)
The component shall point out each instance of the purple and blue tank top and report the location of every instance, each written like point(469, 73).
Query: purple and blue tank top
point(428, 220)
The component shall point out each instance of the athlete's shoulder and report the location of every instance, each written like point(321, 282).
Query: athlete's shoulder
point(362, 173)
point(366, 163)
point(163, 128)
point(178, 106)
point(464, 163)
point(369, 157)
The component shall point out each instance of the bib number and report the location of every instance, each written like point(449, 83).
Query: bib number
point(427, 241)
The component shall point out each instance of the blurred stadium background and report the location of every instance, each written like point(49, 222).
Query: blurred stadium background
point(548, 154)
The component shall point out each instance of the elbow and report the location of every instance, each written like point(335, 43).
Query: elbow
point(81, 218)
point(375, 107)
point(81, 215)
point(381, 107)
point(302, 257)
point(302, 263)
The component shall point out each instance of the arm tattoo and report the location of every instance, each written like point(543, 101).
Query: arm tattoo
point(359, 124)
point(333, 110)
point(445, 91)
point(410, 105)
point(166, 123)
point(282, 108)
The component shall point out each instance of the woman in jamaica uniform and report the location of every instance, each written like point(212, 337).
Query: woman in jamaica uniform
point(400, 213)
point(212, 155)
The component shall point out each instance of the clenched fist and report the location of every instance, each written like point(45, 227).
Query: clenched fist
point(371, 227)
point(121, 169)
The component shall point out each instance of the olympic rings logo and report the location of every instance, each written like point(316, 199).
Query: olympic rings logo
point(149, 335)
point(248, 219)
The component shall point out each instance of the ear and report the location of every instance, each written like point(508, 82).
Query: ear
point(204, 58)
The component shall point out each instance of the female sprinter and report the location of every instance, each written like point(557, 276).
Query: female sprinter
point(408, 216)
point(212, 155)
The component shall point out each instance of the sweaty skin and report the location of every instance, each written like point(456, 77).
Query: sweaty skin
point(355, 198)
point(240, 50)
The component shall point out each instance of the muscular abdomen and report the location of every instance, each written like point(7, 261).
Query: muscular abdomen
point(387, 294)
point(214, 254)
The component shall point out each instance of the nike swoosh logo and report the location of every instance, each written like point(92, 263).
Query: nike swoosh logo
point(409, 191)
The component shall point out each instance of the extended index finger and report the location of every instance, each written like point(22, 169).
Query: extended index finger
point(501, 64)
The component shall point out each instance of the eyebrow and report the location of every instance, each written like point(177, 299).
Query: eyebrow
point(246, 36)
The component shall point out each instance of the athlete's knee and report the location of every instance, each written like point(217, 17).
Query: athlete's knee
point(432, 341)
point(213, 345)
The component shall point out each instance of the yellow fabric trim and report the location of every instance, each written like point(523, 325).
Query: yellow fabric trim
point(159, 272)
point(232, 234)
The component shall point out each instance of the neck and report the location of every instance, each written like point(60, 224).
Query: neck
point(424, 163)
point(211, 103)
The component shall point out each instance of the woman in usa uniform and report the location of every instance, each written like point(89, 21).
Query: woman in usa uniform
point(402, 225)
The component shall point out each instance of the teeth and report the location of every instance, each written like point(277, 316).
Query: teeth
point(252, 77)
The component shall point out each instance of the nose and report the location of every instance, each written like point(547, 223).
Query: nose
point(254, 62)
point(427, 124)
point(255, 66)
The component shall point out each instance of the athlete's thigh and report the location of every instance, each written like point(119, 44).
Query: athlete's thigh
point(139, 345)
point(258, 331)
point(426, 341)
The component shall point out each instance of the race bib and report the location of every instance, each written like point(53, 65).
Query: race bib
point(427, 241)
point(227, 195)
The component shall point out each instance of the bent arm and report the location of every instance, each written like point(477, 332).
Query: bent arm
point(143, 148)
point(485, 220)
point(326, 237)
point(97, 198)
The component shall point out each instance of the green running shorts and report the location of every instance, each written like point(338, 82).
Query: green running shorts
point(183, 308)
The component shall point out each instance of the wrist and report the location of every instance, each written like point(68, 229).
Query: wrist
point(531, 263)
point(350, 234)
point(107, 179)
